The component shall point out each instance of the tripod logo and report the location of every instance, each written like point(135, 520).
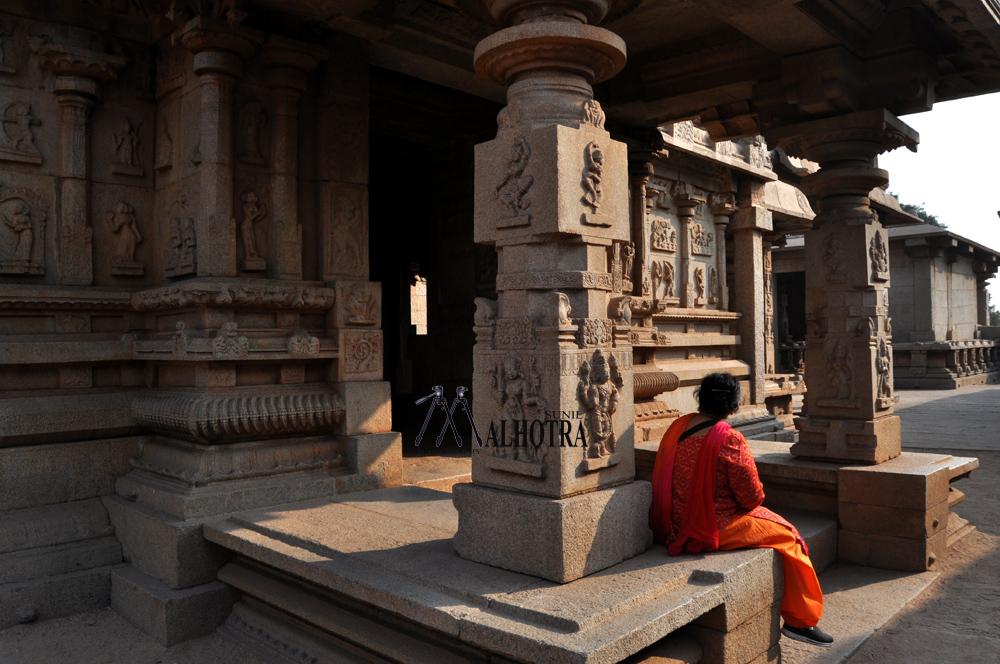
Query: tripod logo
point(439, 400)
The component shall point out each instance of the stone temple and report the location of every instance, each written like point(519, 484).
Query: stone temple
point(240, 239)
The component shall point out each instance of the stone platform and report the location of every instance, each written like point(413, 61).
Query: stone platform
point(377, 572)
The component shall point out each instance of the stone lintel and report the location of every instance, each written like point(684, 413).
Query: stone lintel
point(752, 218)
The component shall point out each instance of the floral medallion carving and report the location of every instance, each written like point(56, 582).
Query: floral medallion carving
point(362, 351)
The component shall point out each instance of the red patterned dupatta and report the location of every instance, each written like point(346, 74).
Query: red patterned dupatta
point(699, 529)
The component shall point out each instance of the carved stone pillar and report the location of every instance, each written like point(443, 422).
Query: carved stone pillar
point(552, 491)
point(218, 48)
point(78, 73)
point(640, 171)
point(723, 206)
point(688, 199)
point(849, 370)
point(983, 275)
point(924, 253)
point(287, 61)
point(749, 223)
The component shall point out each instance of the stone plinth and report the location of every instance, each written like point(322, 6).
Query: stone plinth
point(377, 570)
point(559, 540)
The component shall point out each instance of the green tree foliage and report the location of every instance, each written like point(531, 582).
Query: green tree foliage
point(919, 211)
point(994, 315)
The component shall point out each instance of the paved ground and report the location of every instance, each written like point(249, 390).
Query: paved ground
point(957, 619)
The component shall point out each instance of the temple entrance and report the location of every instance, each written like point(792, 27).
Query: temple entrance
point(421, 250)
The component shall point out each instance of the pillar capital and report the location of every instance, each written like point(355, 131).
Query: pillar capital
point(288, 60)
point(218, 45)
point(78, 69)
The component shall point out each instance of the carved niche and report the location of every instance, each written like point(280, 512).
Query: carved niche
point(840, 368)
point(593, 174)
point(251, 211)
point(347, 244)
point(628, 257)
point(662, 274)
point(124, 225)
point(164, 146)
point(883, 372)
point(593, 114)
point(699, 286)
point(22, 231)
point(17, 134)
point(125, 145)
point(5, 32)
point(515, 385)
point(713, 288)
point(249, 123)
point(513, 189)
point(598, 394)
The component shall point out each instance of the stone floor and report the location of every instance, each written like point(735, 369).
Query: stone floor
point(955, 619)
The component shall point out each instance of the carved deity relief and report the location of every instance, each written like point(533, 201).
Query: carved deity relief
point(348, 234)
point(713, 287)
point(22, 212)
point(302, 344)
point(125, 144)
point(164, 146)
point(883, 366)
point(593, 170)
point(252, 212)
point(684, 131)
point(831, 254)
point(699, 284)
point(702, 243)
point(5, 31)
point(628, 257)
point(758, 155)
point(647, 284)
point(229, 344)
point(249, 123)
point(17, 136)
point(516, 389)
point(623, 314)
point(124, 224)
point(840, 368)
point(597, 392)
point(663, 237)
point(362, 304)
point(656, 275)
point(512, 190)
point(593, 114)
point(879, 253)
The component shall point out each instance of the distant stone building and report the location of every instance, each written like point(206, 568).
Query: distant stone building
point(938, 308)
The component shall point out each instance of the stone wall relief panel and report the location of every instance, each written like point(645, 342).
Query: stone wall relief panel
point(702, 239)
point(360, 355)
point(127, 147)
point(24, 216)
point(124, 233)
point(512, 190)
point(515, 384)
point(345, 232)
point(358, 304)
point(252, 220)
point(181, 240)
point(21, 119)
point(878, 254)
point(597, 392)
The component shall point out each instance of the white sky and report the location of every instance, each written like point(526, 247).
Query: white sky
point(954, 173)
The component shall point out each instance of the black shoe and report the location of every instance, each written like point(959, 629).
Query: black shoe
point(813, 635)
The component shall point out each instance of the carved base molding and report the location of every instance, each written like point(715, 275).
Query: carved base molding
point(238, 415)
point(199, 465)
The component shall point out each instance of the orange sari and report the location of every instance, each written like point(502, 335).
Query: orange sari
point(749, 527)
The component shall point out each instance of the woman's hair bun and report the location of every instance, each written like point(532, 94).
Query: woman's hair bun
point(719, 395)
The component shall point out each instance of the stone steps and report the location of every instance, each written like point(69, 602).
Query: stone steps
point(820, 533)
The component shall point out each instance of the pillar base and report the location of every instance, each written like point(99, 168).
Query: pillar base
point(865, 441)
point(559, 540)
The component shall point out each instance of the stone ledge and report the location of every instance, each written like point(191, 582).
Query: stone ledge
point(391, 550)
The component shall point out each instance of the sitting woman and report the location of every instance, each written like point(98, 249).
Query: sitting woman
point(707, 496)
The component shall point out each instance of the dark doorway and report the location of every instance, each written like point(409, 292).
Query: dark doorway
point(790, 293)
point(422, 249)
